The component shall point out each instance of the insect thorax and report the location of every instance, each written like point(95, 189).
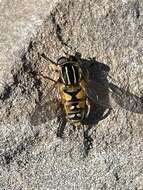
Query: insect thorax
point(70, 74)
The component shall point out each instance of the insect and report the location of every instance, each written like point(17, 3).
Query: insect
point(71, 85)
point(74, 100)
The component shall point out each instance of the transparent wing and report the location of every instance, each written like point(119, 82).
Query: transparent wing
point(43, 112)
point(102, 89)
point(126, 99)
point(98, 93)
point(96, 84)
point(46, 108)
point(110, 95)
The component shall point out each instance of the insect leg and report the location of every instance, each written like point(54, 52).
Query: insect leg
point(55, 81)
point(54, 85)
point(45, 77)
point(88, 140)
point(61, 117)
point(48, 59)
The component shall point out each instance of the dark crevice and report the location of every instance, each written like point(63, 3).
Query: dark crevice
point(8, 156)
point(136, 11)
point(58, 30)
point(33, 73)
point(30, 46)
point(116, 176)
point(15, 79)
point(25, 72)
point(8, 111)
point(6, 93)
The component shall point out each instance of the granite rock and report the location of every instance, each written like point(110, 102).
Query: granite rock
point(107, 35)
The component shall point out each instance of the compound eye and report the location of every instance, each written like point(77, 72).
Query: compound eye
point(62, 60)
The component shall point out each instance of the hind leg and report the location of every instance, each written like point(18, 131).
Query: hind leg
point(87, 141)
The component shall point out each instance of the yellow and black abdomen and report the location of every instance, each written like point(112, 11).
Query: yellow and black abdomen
point(74, 101)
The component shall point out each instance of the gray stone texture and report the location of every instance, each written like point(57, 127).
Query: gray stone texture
point(31, 156)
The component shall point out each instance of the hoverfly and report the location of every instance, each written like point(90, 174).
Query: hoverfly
point(71, 87)
point(74, 101)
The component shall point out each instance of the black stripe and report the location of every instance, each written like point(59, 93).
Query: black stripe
point(69, 72)
point(71, 75)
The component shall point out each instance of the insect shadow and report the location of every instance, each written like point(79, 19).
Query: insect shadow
point(99, 90)
point(98, 96)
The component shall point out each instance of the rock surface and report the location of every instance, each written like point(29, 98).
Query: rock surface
point(31, 155)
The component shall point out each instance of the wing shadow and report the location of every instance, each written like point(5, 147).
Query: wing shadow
point(99, 91)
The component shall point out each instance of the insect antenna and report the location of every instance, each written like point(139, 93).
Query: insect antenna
point(48, 59)
point(45, 77)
